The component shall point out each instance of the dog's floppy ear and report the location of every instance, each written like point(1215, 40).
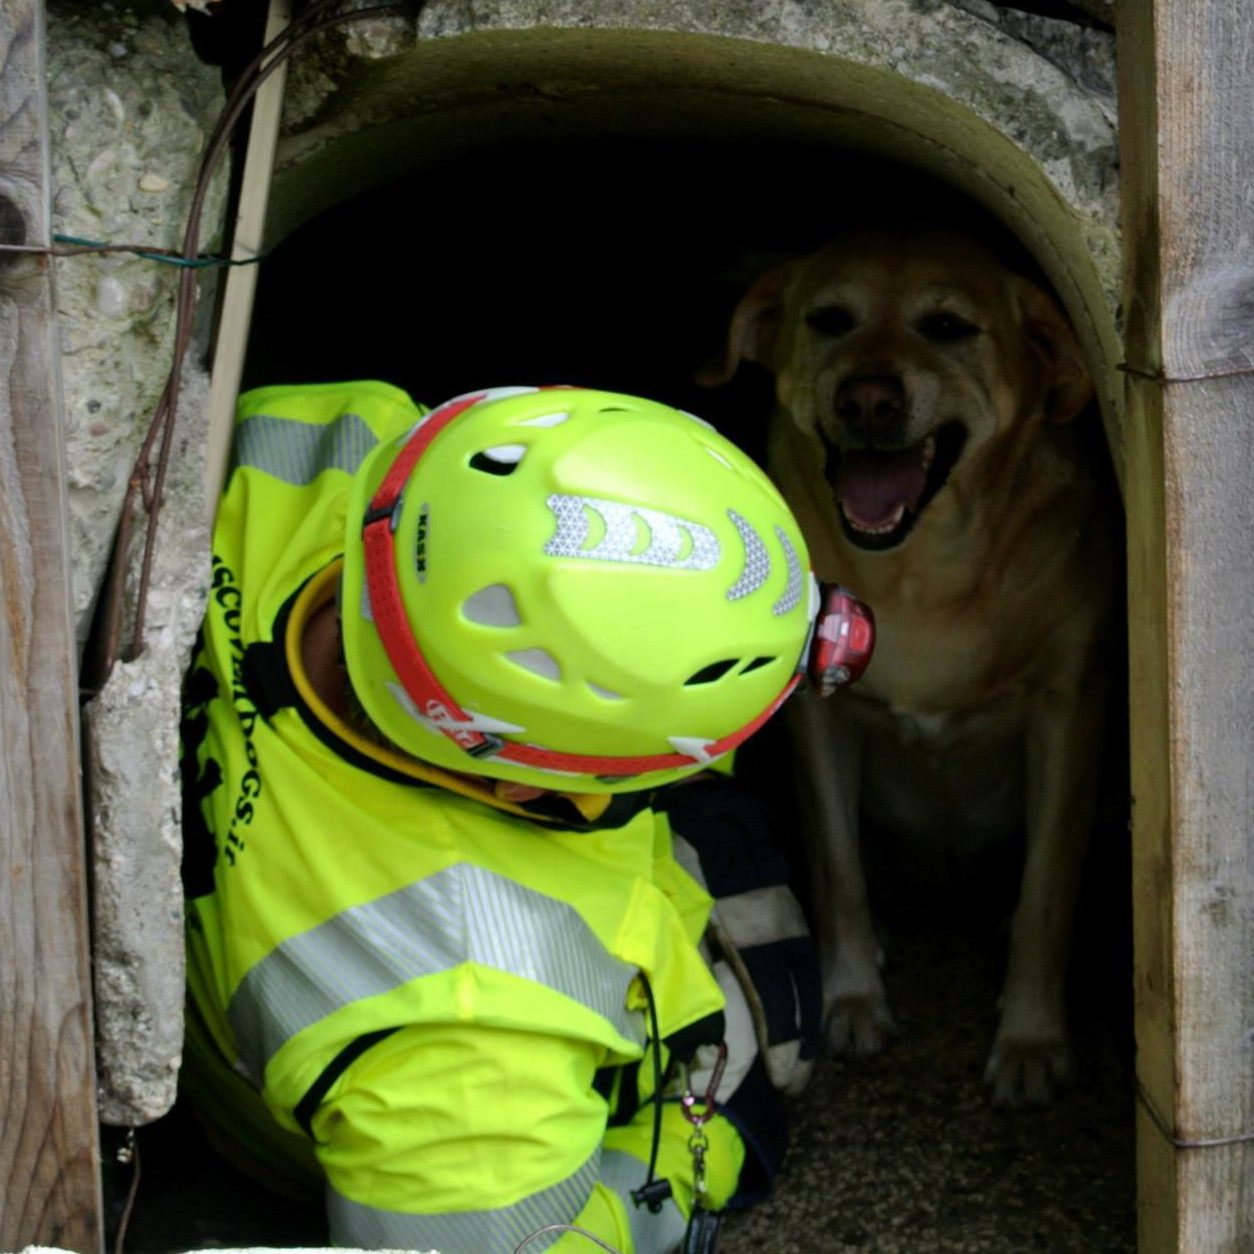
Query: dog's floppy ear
point(754, 326)
point(1070, 387)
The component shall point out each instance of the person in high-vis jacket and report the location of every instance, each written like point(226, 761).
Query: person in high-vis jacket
point(449, 954)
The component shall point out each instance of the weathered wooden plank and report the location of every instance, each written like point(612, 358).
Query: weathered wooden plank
point(1188, 164)
point(49, 1160)
point(1209, 472)
point(1158, 1220)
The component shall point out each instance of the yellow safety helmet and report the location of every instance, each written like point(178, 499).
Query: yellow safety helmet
point(573, 589)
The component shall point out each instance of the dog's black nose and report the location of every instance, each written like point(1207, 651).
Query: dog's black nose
point(872, 406)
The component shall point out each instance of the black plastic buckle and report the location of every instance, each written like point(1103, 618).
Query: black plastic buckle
point(488, 747)
point(392, 512)
point(652, 1194)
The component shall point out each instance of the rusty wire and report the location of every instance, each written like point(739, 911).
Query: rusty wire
point(1186, 1143)
point(128, 1155)
point(1161, 376)
point(147, 481)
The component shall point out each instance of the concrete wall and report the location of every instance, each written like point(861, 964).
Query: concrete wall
point(129, 111)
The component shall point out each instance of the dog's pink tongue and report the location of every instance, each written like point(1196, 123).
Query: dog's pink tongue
point(872, 486)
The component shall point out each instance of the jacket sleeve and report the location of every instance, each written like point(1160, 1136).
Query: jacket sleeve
point(467, 1139)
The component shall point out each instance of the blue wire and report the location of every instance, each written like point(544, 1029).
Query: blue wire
point(206, 261)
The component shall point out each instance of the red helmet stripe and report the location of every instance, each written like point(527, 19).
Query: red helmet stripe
point(586, 764)
point(389, 491)
point(386, 604)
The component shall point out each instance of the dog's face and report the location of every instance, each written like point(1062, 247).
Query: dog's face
point(908, 359)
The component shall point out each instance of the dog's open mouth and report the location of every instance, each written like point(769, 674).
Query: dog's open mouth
point(882, 492)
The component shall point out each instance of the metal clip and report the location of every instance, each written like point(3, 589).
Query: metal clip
point(698, 1142)
point(689, 1101)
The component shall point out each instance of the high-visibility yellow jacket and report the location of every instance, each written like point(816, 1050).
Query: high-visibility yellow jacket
point(437, 993)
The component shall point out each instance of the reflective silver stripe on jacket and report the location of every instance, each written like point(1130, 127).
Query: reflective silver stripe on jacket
point(297, 452)
point(650, 1233)
point(463, 1232)
point(464, 913)
point(503, 1228)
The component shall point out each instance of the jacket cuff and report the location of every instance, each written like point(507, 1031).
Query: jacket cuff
point(759, 1115)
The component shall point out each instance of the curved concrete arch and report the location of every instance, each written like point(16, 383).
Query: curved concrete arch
point(921, 82)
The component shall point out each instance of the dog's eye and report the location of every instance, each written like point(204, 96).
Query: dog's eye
point(830, 320)
point(945, 328)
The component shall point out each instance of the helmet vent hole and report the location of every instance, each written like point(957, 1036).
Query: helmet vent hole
point(502, 460)
point(594, 532)
point(644, 536)
point(493, 606)
point(708, 674)
point(604, 693)
point(756, 664)
point(538, 661)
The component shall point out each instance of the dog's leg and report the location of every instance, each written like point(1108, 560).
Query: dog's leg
point(829, 750)
point(1030, 1056)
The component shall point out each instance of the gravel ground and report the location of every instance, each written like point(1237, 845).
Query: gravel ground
point(902, 1154)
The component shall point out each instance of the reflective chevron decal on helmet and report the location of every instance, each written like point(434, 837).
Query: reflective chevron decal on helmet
point(792, 593)
point(674, 542)
point(757, 560)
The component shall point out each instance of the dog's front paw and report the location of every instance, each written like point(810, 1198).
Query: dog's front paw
point(859, 1023)
point(1027, 1071)
point(1030, 1062)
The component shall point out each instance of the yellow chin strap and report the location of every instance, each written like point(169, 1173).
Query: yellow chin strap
point(313, 596)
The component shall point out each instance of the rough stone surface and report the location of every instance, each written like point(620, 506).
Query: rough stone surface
point(129, 109)
point(1085, 53)
point(131, 736)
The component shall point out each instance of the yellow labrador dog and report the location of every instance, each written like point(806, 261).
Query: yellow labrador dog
point(924, 396)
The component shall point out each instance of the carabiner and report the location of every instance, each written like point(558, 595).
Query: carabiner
point(688, 1102)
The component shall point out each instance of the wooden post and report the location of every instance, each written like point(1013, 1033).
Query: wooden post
point(49, 1156)
point(1187, 138)
point(247, 237)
